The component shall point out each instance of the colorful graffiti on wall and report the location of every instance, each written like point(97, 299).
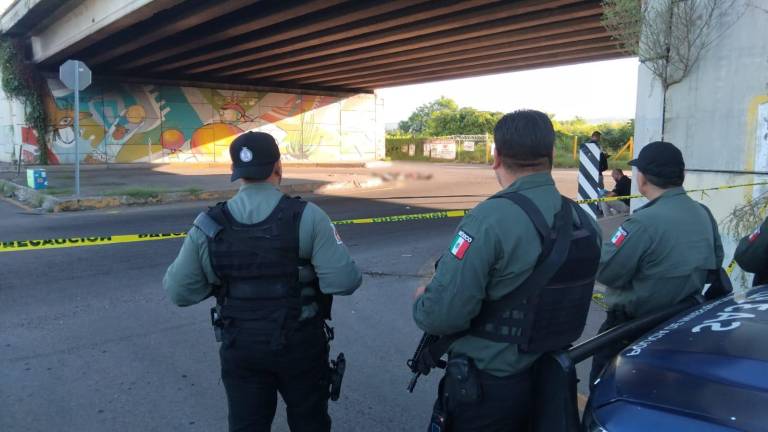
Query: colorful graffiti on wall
point(146, 123)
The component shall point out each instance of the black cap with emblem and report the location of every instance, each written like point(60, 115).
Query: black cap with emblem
point(254, 155)
point(660, 159)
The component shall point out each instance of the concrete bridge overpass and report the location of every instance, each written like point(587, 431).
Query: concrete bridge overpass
point(336, 46)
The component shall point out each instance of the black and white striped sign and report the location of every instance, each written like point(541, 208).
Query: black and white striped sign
point(590, 177)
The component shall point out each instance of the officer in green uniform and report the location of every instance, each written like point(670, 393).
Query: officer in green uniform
point(752, 254)
point(272, 262)
point(663, 254)
point(493, 253)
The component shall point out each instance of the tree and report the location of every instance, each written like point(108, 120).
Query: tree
point(669, 36)
point(466, 121)
point(417, 122)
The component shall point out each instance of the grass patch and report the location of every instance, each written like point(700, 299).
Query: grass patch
point(5, 189)
point(149, 192)
point(137, 193)
point(56, 191)
point(191, 190)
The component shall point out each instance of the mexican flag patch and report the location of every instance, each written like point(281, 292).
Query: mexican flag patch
point(619, 237)
point(461, 244)
point(754, 235)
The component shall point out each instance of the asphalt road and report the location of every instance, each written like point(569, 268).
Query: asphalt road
point(89, 342)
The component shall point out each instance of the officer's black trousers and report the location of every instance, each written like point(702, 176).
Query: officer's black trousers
point(253, 374)
point(506, 405)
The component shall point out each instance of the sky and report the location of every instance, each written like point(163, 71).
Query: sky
point(596, 91)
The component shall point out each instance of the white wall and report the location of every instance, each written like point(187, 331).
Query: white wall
point(718, 116)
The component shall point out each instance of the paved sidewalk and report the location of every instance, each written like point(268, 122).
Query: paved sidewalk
point(103, 187)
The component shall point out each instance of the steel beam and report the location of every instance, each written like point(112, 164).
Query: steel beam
point(475, 16)
point(90, 21)
point(475, 59)
point(245, 24)
point(493, 67)
point(548, 44)
point(456, 34)
point(148, 35)
point(494, 71)
point(339, 24)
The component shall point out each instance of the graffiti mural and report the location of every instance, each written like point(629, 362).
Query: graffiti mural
point(166, 124)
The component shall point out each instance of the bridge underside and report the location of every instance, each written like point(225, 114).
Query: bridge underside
point(335, 45)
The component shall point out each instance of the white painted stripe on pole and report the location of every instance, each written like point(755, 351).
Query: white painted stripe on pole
point(591, 193)
point(587, 208)
point(593, 149)
point(586, 163)
point(589, 176)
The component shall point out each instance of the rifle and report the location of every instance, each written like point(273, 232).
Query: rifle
point(422, 350)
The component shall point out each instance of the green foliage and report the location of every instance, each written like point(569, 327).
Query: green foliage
point(22, 82)
point(466, 121)
point(614, 134)
point(624, 20)
point(417, 123)
point(443, 117)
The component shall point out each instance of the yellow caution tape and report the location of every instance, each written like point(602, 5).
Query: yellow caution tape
point(606, 199)
point(404, 218)
point(67, 242)
point(599, 299)
point(716, 188)
point(70, 242)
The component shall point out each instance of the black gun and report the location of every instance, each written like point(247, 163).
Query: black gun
point(338, 367)
point(422, 350)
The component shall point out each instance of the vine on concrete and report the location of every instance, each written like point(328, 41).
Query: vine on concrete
point(21, 81)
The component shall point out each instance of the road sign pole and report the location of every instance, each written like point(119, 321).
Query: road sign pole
point(76, 76)
point(76, 115)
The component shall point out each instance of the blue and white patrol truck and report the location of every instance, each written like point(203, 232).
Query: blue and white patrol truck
point(705, 369)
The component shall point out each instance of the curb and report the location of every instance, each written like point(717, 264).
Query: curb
point(51, 204)
point(192, 165)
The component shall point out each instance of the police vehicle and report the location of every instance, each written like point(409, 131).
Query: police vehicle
point(705, 370)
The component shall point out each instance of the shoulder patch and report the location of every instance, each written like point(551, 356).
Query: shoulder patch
point(461, 244)
point(336, 234)
point(755, 234)
point(620, 236)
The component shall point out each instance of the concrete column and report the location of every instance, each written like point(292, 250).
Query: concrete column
point(717, 116)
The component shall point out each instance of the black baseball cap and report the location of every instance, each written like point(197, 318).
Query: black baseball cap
point(660, 159)
point(254, 155)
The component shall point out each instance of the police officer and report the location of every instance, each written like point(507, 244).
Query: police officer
point(272, 263)
point(752, 254)
point(663, 254)
point(471, 302)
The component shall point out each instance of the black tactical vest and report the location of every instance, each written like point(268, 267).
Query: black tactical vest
point(261, 274)
point(548, 311)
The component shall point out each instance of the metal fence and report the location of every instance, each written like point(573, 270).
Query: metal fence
point(457, 148)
